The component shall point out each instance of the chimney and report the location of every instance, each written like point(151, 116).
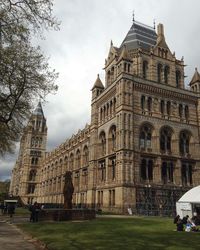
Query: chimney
point(160, 32)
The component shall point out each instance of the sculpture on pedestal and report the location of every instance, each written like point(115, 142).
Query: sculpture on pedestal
point(68, 190)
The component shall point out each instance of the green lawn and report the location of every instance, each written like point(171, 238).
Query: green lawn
point(114, 233)
point(22, 211)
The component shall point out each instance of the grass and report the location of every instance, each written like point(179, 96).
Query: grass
point(114, 234)
point(22, 211)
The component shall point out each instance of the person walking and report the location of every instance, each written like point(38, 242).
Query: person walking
point(35, 211)
point(11, 211)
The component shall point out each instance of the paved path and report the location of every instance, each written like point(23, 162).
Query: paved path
point(11, 238)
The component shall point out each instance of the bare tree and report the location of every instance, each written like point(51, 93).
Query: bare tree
point(24, 71)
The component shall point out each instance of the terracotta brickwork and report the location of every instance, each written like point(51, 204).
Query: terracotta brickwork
point(141, 149)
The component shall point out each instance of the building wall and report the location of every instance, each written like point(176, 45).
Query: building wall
point(141, 149)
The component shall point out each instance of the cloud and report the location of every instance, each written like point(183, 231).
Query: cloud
point(79, 49)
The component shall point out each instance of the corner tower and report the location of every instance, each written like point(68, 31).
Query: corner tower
point(25, 175)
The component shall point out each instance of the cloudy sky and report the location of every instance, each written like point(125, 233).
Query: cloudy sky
point(79, 49)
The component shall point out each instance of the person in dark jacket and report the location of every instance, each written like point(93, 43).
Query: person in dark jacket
point(35, 212)
point(179, 225)
point(185, 219)
point(11, 211)
point(176, 219)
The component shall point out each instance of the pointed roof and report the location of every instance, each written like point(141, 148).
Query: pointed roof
point(98, 83)
point(196, 77)
point(38, 110)
point(140, 36)
point(124, 54)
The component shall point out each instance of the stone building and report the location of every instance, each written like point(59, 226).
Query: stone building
point(141, 149)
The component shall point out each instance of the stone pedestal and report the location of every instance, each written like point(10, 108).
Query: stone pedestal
point(66, 214)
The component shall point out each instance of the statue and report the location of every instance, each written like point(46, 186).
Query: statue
point(68, 190)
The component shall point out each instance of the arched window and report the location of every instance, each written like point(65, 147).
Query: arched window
point(78, 159)
point(184, 142)
point(112, 139)
point(143, 102)
point(168, 108)
point(166, 74)
point(159, 73)
point(149, 104)
point(102, 139)
point(145, 137)
point(85, 156)
point(165, 139)
point(186, 113)
point(146, 169)
point(145, 69)
point(178, 78)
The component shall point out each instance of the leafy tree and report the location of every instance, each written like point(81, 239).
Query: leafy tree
point(24, 71)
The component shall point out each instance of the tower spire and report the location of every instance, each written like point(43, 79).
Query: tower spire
point(154, 23)
point(133, 16)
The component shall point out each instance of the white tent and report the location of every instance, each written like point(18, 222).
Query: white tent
point(188, 202)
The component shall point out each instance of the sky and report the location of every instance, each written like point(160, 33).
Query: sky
point(79, 49)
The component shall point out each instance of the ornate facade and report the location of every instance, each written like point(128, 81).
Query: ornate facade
point(141, 149)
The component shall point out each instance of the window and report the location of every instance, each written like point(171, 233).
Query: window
point(168, 108)
point(31, 188)
point(166, 74)
point(32, 175)
point(102, 139)
point(85, 156)
point(167, 172)
point(112, 139)
point(112, 168)
point(159, 73)
point(146, 169)
point(102, 171)
point(78, 159)
point(112, 197)
point(145, 137)
point(149, 104)
point(180, 109)
point(162, 107)
point(186, 174)
point(145, 68)
point(186, 113)
point(184, 142)
point(165, 139)
point(143, 103)
point(178, 78)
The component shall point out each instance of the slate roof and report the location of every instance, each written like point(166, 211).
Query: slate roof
point(38, 110)
point(98, 83)
point(196, 77)
point(140, 36)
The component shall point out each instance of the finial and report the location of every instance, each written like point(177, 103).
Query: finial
point(133, 15)
point(111, 43)
point(196, 69)
point(97, 75)
point(154, 23)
